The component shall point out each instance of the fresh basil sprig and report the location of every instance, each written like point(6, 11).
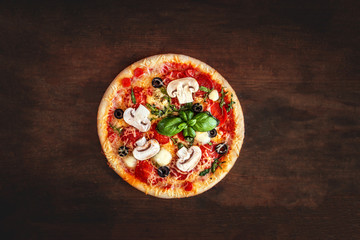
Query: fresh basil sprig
point(187, 123)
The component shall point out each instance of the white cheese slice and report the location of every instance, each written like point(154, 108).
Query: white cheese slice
point(214, 95)
point(202, 137)
point(129, 161)
point(163, 158)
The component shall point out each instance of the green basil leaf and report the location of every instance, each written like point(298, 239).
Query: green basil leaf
point(204, 122)
point(186, 132)
point(191, 132)
point(191, 122)
point(189, 115)
point(183, 116)
point(182, 126)
point(169, 126)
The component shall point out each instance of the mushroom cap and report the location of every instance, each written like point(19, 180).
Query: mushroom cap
point(148, 150)
point(188, 83)
point(192, 158)
point(138, 118)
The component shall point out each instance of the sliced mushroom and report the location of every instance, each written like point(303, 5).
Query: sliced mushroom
point(138, 118)
point(141, 142)
point(188, 158)
point(183, 89)
point(148, 150)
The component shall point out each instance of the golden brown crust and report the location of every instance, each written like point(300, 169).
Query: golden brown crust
point(199, 186)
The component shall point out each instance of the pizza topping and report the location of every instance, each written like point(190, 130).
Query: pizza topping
point(118, 113)
point(130, 161)
point(126, 82)
point(123, 151)
point(188, 158)
point(163, 158)
point(157, 82)
point(230, 105)
point(138, 118)
point(202, 137)
point(146, 151)
point(197, 107)
point(213, 167)
point(183, 89)
point(212, 133)
point(204, 122)
point(214, 95)
point(163, 171)
point(187, 123)
point(141, 142)
point(222, 148)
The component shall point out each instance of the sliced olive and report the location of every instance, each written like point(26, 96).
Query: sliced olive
point(221, 148)
point(157, 82)
point(118, 113)
point(163, 171)
point(123, 151)
point(197, 107)
point(212, 133)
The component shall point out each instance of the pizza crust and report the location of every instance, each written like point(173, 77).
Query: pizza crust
point(198, 187)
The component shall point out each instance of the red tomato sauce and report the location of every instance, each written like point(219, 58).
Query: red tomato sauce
point(130, 135)
point(143, 170)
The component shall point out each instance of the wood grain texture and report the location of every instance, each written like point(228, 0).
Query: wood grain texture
point(294, 66)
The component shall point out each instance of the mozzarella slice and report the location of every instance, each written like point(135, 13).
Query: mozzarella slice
point(214, 95)
point(202, 137)
point(130, 161)
point(163, 158)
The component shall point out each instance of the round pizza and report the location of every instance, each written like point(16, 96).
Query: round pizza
point(171, 126)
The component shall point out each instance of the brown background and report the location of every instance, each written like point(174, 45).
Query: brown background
point(294, 66)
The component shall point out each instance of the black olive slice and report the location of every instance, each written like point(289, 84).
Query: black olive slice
point(123, 151)
point(118, 113)
point(222, 148)
point(157, 82)
point(197, 107)
point(163, 171)
point(212, 133)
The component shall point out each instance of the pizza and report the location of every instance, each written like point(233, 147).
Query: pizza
point(171, 126)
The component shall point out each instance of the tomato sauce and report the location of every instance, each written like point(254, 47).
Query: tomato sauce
point(143, 170)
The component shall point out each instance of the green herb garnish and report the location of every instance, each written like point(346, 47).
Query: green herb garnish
point(213, 167)
point(133, 99)
point(230, 105)
point(205, 89)
point(188, 123)
point(222, 100)
point(204, 172)
point(118, 130)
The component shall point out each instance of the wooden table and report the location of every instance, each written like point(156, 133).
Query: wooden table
point(294, 66)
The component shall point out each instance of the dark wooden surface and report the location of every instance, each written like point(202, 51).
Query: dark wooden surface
point(294, 66)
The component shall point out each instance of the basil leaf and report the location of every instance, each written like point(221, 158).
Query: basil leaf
point(133, 99)
point(182, 126)
point(204, 122)
point(191, 122)
point(186, 132)
point(169, 126)
point(183, 116)
point(191, 132)
point(189, 115)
